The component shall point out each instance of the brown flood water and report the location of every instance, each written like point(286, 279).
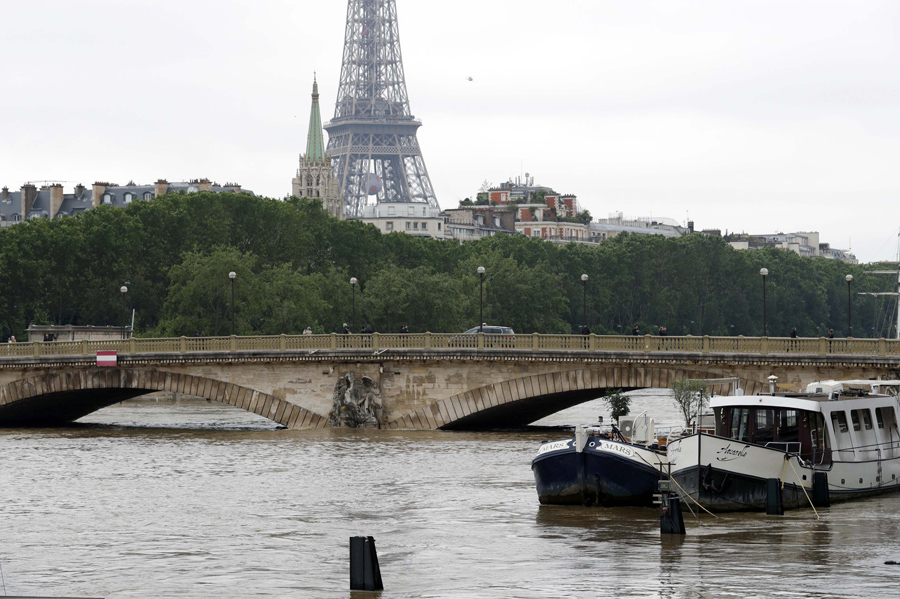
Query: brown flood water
point(197, 500)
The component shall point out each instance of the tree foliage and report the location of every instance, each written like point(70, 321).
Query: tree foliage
point(691, 396)
point(294, 264)
point(619, 404)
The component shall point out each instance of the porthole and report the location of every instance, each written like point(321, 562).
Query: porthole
point(860, 481)
point(804, 477)
point(843, 482)
point(592, 443)
point(877, 479)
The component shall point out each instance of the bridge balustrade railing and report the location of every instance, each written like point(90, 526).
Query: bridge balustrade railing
point(307, 342)
point(863, 347)
point(257, 343)
point(619, 343)
point(672, 344)
point(564, 342)
point(208, 344)
point(450, 341)
point(152, 346)
point(91, 346)
point(353, 341)
point(727, 345)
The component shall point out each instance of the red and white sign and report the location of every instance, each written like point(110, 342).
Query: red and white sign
point(106, 358)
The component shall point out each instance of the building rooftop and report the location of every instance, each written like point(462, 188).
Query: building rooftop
point(82, 198)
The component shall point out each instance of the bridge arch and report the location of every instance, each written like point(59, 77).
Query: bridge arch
point(59, 398)
point(518, 402)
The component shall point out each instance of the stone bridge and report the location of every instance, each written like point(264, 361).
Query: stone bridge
point(423, 381)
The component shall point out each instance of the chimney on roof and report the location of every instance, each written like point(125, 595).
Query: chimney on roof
point(97, 195)
point(4, 194)
point(79, 191)
point(29, 194)
point(162, 186)
point(56, 199)
point(204, 184)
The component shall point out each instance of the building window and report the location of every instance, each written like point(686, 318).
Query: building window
point(407, 225)
point(148, 195)
point(128, 197)
point(439, 226)
point(424, 226)
point(415, 225)
point(107, 198)
point(389, 225)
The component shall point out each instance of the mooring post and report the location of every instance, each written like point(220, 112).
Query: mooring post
point(671, 522)
point(774, 502)
point(365, 575)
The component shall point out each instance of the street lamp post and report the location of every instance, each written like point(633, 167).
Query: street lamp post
point(481, 272)
point(232, 275)
point(849, 279)
point(764, 272)
point(584, 279)
point(353, 283)
point(124, 290)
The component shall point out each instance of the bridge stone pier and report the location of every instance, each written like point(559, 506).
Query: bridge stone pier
point(450, 388)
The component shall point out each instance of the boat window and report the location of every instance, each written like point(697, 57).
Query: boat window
point(739, 424)
point(820, 443)
point(879, 417)
point(788, 431)
point(854, 415)
point(867, 419)
point(839, 419)
point(765, 426)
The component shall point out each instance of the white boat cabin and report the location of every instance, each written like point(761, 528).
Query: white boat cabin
point(834, 421)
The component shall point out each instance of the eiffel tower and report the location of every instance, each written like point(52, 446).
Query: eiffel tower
point(372, 138)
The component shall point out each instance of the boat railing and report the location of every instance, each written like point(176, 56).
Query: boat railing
point(877, 451)
point(675, 432)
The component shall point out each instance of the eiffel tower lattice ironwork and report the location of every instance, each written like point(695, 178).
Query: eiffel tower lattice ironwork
point(373, 133)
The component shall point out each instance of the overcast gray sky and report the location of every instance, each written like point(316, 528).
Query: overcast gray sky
point(747, 115)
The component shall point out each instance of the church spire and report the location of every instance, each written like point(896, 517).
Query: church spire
point(315, 141)
point(315, 179)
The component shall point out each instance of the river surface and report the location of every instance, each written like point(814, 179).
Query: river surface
point(193, 499)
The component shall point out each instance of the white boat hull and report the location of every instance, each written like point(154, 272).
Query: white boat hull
point(726, 475)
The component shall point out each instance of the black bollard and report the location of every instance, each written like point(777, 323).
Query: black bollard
point(670, 520)
point(820, 497)
point(365, 575)
point(774, 503)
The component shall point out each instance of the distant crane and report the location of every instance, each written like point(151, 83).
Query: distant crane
point(895, 293)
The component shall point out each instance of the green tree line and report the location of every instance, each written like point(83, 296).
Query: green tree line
point(294, 263)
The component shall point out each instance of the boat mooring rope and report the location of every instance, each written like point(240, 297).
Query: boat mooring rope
point(685, 493)
point(802, 487)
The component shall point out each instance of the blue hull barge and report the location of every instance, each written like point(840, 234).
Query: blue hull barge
point(598, 469)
